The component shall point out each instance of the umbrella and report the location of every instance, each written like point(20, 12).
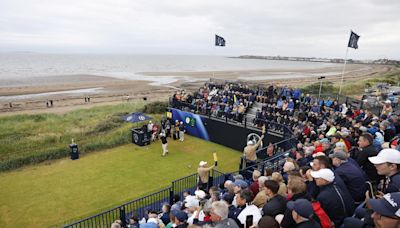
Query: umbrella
point(136, 117)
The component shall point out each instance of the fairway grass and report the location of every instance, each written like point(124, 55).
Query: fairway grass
point(63, 190)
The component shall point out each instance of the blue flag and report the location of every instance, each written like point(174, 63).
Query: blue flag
point(353, 40)
point(219, 41)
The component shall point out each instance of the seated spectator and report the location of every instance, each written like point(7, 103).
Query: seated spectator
point(367, 150)
point(261, 198)
point(244, 199)
point(276, 203)
point(166, 208)
point(254, 187)
point(352, 177)
point(385, 213)
point(387, 164)
point(303, 214)
point(296, 190)
point(219, 215)
point(335, 202)
point(282, 186)
point(180, 219)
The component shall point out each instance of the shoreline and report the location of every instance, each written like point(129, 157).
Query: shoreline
point(159, 85)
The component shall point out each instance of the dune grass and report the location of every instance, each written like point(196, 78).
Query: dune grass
point(30, 139)
point(64, 190)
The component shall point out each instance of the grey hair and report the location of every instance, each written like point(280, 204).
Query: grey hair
point(261, 181)
point(220, 208)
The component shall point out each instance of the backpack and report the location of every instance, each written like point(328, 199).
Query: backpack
point(321, 214)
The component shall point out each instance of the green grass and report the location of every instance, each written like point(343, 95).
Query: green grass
point(61, 190)
point(30, 139)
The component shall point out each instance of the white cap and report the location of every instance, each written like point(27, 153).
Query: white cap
point(250, 142)
point(325, 174)
point(200, 194)
point(386, 155)
point(388, 102)
point(202, 163)
point(318, 154)
point(191, 201)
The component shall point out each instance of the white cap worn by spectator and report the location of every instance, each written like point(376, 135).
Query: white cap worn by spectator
point(250, 142)
point(200, 194)
point(202, 163)
point(191, 201)
point(325, 174)
point(386, 155)
point(318, 154)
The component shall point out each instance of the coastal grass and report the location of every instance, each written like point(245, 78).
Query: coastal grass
point(57, 191)
point(353, 88)
point(31, 139)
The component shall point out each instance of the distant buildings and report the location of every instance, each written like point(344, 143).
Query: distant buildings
point(325, 60)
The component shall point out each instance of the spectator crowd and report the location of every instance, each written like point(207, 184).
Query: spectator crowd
point(344, 171)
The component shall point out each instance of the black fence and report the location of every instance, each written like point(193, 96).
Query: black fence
point(155, 201)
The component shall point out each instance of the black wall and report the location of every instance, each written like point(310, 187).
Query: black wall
point(233, 136)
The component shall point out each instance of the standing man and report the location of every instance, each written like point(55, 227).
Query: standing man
point(250, 150)
point(181, 132)
point(164, 143)
point(204, 174)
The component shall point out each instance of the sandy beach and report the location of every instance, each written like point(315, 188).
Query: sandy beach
point(68, 92)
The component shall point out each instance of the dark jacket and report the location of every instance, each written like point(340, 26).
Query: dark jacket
point(336, 203)
point(308, 224)
point(353, 179)
point(366, 165)
point(394, 183)
point(275, 206)
point(288, 221)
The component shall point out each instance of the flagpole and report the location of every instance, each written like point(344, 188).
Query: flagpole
point(344, 68)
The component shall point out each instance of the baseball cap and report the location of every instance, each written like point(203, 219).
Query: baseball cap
point(386, 155)
point(240, 183)
point(200, 194)
point(250, 142)
point(302, 207)
point(191, 201)
point(325, 174)
point(388, 206)
point(180, 215)
point(202, 163)
point(318, 154)
point(339, 154)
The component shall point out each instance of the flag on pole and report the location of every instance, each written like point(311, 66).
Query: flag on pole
point(353, 40)
point(219, 41)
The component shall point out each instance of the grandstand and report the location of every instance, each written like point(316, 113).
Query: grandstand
point(326, 151)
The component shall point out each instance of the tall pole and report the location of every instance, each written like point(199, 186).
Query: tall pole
point(344, 68)
point(320, 87)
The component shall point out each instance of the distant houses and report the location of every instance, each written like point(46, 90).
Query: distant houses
point(324, 60)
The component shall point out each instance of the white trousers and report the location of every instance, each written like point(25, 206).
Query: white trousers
point(181, 136)
point(164, 148)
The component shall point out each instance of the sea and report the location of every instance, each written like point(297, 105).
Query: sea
point(19, 66)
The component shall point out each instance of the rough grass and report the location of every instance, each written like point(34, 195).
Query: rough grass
point(63, 190)
point(29, 139)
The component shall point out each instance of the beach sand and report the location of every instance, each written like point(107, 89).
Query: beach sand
point(112, 90)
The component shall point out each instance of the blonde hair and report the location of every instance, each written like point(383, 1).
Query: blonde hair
point(277, 177)
point(296, 184)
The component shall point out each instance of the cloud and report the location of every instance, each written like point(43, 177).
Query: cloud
point(294, 28)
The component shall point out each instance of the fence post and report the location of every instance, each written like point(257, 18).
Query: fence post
point(210, 179)
point(122, 216)
point(171, 195)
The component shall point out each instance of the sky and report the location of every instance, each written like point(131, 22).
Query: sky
point(311, 28)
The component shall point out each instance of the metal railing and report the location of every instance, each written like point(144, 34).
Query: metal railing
point(188, 183)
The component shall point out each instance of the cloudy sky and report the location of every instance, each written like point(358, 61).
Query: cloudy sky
point(317, 28)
